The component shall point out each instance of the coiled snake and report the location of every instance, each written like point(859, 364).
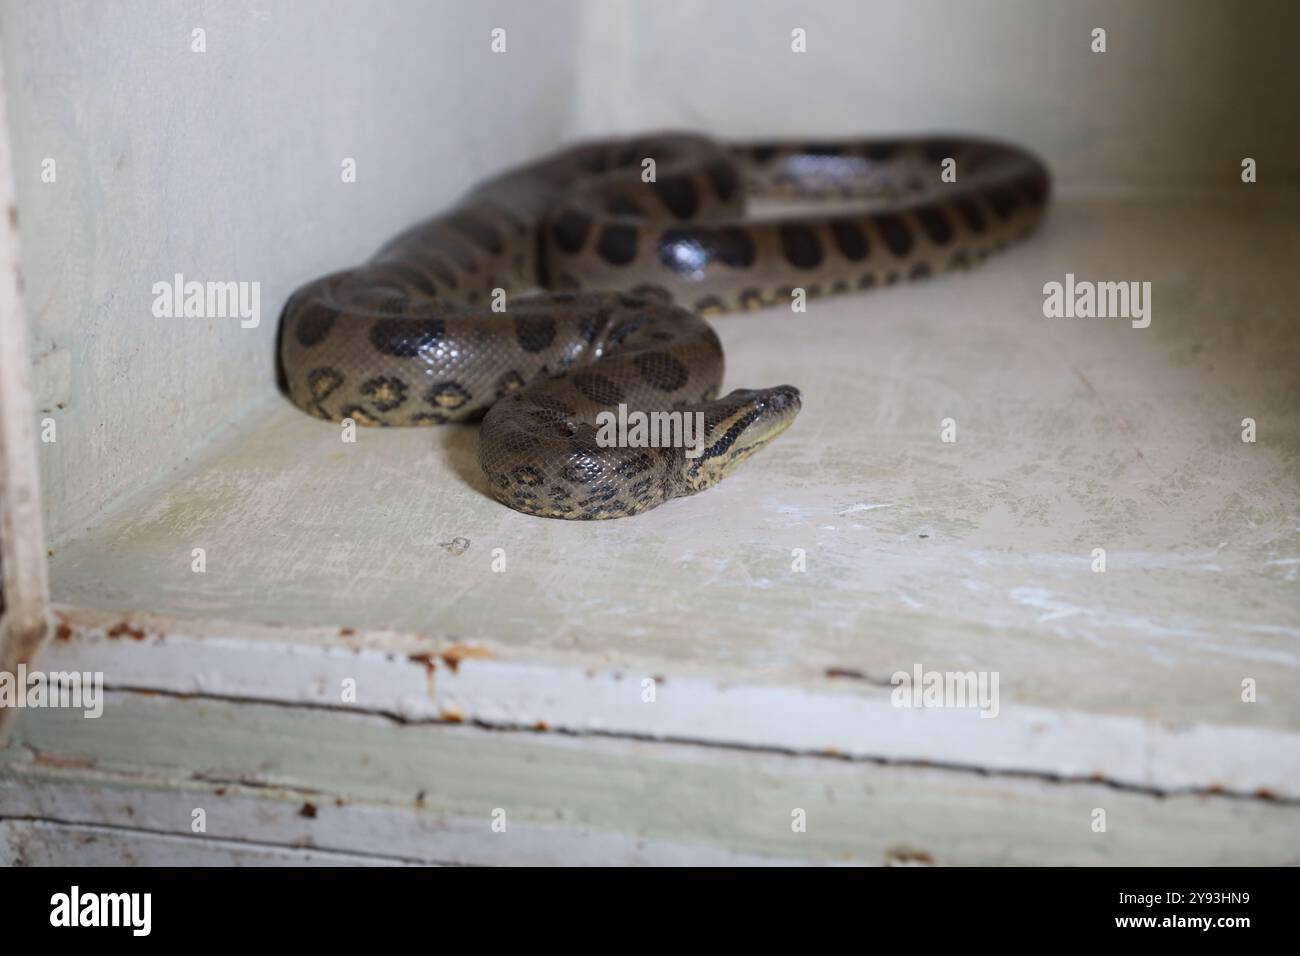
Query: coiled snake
point(451, 320)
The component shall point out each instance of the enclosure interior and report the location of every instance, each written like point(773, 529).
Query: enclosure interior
point(772, 611)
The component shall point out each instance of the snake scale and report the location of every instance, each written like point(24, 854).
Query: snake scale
point(568, 287)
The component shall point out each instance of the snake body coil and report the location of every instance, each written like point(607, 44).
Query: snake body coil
point(445, 323)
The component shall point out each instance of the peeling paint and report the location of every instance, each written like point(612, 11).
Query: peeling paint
point(125, 629)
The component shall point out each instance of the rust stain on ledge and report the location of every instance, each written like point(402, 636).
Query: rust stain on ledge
point(848, 672)
point(453, 655)
point(125, 629)
point(426, 659)
point(907, 856)
point(430, 665)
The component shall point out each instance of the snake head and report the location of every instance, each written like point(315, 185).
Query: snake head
point(736, 426)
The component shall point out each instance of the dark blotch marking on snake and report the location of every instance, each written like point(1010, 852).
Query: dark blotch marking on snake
point(724, 179)
point(935, 224)
point(850, 238)
point(314, 325)
point(551, 410)
point(734, 247)
point(406, 338)
point(322, 381)
point(570, 230)
point(1035, 189)
point(511, 381)
point(800, 246)
point(895, 233)
point(710, 305)
point(598, 388)
point(534, 332)
point(428, 418)
point(635, 465)
point(972, 215)
point(361, 416)
point(662, 371)
point(1003, 201)
point(447, 396)
point(519, 442)
point(528, 476)
point(679, 196)
point(385, 392)
point(617, 244)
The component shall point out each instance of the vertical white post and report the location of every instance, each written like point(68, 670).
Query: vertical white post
point(24, 576)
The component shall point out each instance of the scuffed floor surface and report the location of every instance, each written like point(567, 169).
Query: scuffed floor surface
point(1071, 435)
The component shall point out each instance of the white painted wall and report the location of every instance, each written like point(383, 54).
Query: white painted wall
point(1184, 91)
point(225, 165)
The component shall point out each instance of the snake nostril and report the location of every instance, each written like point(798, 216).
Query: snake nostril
point(782, 398)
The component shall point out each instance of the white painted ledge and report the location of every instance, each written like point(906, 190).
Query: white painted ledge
point(418, 679)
